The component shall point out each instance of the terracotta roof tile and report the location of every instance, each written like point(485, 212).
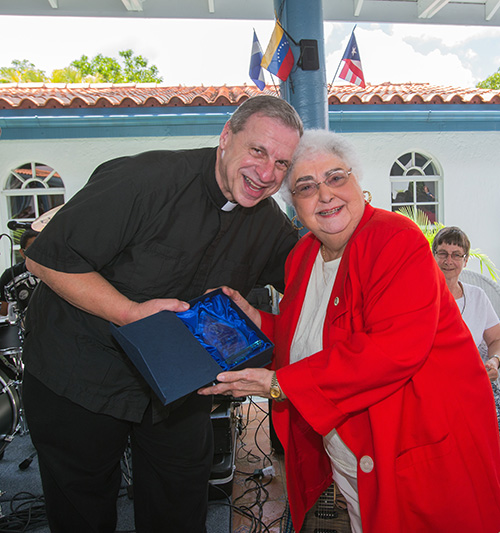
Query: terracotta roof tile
point(105, 95)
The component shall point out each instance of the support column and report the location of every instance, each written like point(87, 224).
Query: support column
point(306, 90)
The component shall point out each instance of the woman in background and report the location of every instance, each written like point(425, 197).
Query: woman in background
point(451, 248)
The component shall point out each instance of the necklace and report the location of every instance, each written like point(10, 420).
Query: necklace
point(328, 269)
point(323, 265)
point(323, 252)
point(465, 299)
point(337, 254)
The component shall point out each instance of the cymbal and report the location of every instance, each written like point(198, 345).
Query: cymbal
point(39, 223)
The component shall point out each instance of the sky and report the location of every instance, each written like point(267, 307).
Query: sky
point(201, 52)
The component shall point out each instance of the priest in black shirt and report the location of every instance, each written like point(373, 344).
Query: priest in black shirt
point(147, 233)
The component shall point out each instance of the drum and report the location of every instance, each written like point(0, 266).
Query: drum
point(9, 410)
point(10, 338)
point(20, 289)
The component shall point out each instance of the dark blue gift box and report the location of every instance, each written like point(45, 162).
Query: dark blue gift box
point(168, 349)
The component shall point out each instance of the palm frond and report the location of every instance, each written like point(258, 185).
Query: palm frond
point(430, 230)
point(485, 261)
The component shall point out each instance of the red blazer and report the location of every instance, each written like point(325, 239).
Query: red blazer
point(401, 380)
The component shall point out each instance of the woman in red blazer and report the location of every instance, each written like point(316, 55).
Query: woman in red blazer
point(378, 381)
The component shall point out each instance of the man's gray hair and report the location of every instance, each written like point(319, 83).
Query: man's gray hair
point(321, 142)
point(269, 106)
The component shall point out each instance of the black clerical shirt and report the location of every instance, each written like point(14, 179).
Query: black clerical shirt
point(154, 227)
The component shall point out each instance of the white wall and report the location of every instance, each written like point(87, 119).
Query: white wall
point(471, 176)
point(75, 160)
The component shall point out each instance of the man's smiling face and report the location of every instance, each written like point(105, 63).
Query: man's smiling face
point(252, 163)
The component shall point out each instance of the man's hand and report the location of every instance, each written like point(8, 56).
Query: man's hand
point(92, 293)
point(142, 310)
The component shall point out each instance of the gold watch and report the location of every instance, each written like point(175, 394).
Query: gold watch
point(275, 390)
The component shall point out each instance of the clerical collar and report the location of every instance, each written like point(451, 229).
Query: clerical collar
point(228, 206)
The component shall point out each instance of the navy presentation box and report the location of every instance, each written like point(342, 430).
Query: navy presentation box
point(173, 360)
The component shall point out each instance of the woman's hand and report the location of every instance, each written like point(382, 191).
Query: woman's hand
point(248, 382)
point(492, 368)
point(249, 310)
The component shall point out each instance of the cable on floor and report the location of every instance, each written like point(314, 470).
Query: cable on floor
point(256, 481)
point(27, 512)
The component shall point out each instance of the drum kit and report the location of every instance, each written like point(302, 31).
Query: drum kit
point(12, 421)
point(17, 293)
point(11, 375)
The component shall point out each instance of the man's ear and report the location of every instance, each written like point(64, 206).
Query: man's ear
point(225, 135)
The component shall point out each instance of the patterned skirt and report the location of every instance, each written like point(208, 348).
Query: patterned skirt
point(496, 395)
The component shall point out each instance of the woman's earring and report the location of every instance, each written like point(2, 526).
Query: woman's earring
point(368, 197)
point(294, 223)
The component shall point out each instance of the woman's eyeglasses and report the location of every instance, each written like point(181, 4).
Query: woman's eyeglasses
point(335, 179)
point(456, 256)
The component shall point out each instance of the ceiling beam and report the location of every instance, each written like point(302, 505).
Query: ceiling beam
point(358, 4)
point(133, 5)
point(53, 4)
point(211, 6)
point(428, 8)
point(490, 8)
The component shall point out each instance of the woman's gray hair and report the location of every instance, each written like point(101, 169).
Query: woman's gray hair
point(321, 142)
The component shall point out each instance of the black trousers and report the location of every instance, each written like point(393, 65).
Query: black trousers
point(79, 455)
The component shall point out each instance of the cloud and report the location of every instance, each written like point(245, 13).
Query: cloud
point(475, 46)
point(448, 36)
point(209, 54)
point(187, 52)
point(386, 56)
point(216, 52)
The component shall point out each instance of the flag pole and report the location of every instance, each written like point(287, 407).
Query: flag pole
point(275, 86)
point(336, 72)
point(286, 33)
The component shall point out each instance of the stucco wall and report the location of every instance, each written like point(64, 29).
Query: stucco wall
point(471, 178)
point(75, 159)
point(467, 159)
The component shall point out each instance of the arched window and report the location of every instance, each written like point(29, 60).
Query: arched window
point(416, 185)
point(31, 190)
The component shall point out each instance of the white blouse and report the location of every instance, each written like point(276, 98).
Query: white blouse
point(308, 339)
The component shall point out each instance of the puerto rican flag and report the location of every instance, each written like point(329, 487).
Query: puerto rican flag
point(352, 71)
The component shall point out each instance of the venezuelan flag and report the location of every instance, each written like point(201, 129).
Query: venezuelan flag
point(278, 59)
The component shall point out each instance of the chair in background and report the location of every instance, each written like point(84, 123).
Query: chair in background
point(490, 287)
point(492, 290)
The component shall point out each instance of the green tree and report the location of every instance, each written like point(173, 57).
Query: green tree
point(137, 70)
point(99, 69)
point(104, 69)
point(72, 75)
point(108, 69)
point(491, 82)
point(22, 72)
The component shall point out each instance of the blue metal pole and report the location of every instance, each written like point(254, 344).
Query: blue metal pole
point(306, 90)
